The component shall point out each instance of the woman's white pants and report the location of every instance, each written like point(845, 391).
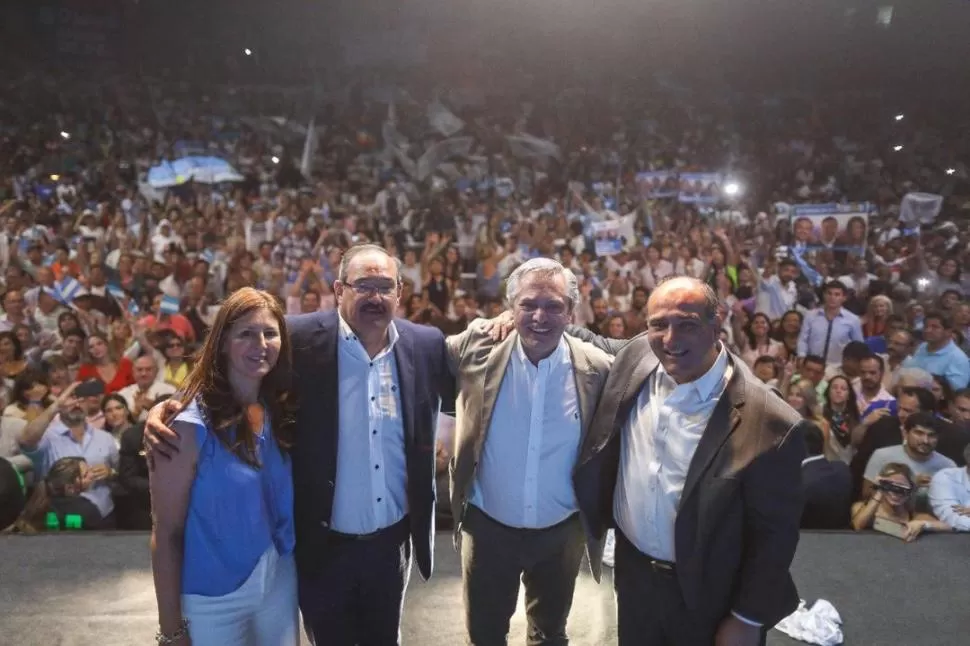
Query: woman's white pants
point(263, 611)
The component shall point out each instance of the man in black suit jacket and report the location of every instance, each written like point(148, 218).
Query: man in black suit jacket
point(827, 486)
point(369, 389)
point(721, 501)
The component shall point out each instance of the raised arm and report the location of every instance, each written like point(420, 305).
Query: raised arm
point(170, 485)
point(609, 346)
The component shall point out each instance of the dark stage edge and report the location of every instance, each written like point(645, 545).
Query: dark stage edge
point(81, 590)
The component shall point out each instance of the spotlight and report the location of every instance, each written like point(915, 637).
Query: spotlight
point(950, 171)
point(65, 135)
point(732, 189)
point(899, 117)
point(897, 148)
point(248, 52)
point(55, 177)
point(275, 159)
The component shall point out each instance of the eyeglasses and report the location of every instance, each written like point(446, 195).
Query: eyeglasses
point(367, 288)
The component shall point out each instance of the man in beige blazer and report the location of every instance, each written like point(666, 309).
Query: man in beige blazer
point(524, 409)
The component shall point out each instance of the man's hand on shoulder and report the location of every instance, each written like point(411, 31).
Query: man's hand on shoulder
point(160, 440)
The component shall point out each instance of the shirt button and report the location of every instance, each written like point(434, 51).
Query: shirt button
point(378, 500)
point(374, 432)
point(373, 398)
point(393, 388)
point(371, 364)
point(377, 466)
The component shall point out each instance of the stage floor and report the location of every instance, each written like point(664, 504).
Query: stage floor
point(96, 590)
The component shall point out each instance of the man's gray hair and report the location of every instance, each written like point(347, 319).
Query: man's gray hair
point(711, 300)
point(356, 250)
point(546, 267)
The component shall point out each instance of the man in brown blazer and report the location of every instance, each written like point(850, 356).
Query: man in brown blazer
point(524, 409)
point(697, 464)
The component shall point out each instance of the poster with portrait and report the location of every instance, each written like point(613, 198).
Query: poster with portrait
point(607, 238)
point(700, 188)
point(658, 184)
point(833, 227)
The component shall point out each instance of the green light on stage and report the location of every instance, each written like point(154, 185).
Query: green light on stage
point(73, 521)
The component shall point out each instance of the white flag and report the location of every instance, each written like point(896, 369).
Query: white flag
point(526, 146)
point(309, 150)
point(920, 208)
point(442, 119)
point(440, 153)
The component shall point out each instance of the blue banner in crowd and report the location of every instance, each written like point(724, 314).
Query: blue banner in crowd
point(833, 227)
point(658, 184)
point(700, 188)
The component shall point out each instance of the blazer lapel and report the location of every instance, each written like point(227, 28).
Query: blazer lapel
point(725, 418)
point(404, 359)
point(587, 382)
point(495, 366)
point(325, 349)
point(644, 363)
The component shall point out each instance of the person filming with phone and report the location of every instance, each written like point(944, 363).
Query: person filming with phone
point(891, 506)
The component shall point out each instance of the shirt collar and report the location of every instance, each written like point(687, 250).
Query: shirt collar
point(706, 386)
point(559, 355)
point(347, 335)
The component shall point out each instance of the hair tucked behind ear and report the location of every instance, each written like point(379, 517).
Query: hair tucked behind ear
point(209, 380)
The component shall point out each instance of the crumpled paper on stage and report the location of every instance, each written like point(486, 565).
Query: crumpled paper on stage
point(609, 548)
point(820, 624)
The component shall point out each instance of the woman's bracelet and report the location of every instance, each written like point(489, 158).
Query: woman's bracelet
point(173, 638)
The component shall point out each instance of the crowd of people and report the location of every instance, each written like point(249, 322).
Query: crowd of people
point(110, 285)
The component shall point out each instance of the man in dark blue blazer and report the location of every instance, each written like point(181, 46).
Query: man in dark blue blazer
point(370, 387)
point(826, 486)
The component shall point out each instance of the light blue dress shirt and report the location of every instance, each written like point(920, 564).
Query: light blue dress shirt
point(97, 447)
point(949, 361)
point(370, 492)
point(845, 327)
point(949, 488)
point(235, 512)
point(524, 476)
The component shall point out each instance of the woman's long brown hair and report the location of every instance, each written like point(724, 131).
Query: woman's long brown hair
point(209, 380)
point(62, 474)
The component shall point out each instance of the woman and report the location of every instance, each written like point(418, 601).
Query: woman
point(101, 364)
point(176, 368)
point(117, 416)
point(841, 412)
point(222, 542)
point(943, 392)
point(874, 321)
point(755, 341)
point(802, 397)
point(12, 360)
point(616, 327)
point(66, 322)
point(58, 502)
point(30, 395)
point(893, 499)
point(788, 331)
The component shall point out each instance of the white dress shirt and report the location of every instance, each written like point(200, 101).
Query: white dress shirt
point(524, 476)
point(949, 488)
point(657, 445)
point(371, 487)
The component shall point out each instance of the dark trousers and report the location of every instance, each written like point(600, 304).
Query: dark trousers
point(493, 559)
point(356, 598)
point(650, 609)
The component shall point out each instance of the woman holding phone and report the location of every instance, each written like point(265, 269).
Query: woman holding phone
point(223, 536)
point(891, 508)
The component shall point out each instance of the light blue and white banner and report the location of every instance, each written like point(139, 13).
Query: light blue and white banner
point(700, 188)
